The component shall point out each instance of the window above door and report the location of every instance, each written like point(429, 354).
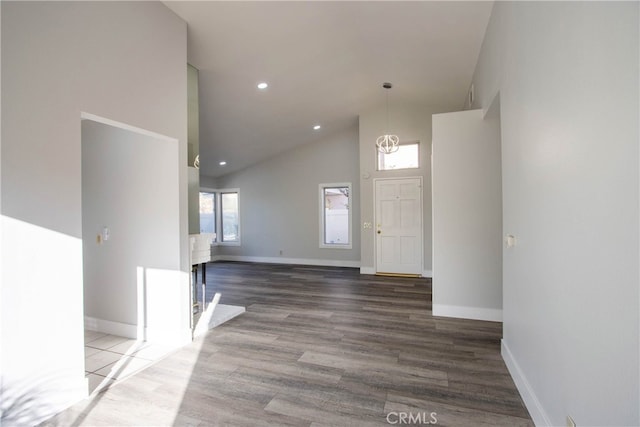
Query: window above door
point(407, 157)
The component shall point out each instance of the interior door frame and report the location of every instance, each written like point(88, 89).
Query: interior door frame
point(375, 219)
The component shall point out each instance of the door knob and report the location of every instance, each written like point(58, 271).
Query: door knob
point(379, 231)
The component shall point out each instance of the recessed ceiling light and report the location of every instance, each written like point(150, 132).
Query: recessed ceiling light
point(317, 127)
point(222, 163)
point(263, 85)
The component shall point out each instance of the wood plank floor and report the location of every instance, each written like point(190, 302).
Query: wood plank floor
point(320, 347)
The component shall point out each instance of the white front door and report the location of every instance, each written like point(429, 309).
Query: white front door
point(399, 226)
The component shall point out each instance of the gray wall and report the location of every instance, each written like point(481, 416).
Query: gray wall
point(193, 148)
point(128, 185)
point(60, 59)
point(467, 215)
point(410, 123)
point(208, 182)
point(567, 75)
point(193, 114)
point(279, 202)
point(194, 200)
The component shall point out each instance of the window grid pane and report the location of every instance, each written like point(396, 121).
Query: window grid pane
point(230, 223)
point(207, 212)
point(336, 215)
point(407, 157)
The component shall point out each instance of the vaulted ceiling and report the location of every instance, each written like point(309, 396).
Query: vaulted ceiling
point(325, 63)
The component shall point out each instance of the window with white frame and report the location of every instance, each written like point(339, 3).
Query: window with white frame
point(220, 214)
point(335, 215)
point(230, 218)
point(407, 157)
point(207, 212)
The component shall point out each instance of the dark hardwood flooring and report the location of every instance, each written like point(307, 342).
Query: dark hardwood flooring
point(320, 346)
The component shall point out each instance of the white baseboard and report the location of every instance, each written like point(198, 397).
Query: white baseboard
point(537, 412)
point(475, 313)
point(372, 270)
point(112, 328)
point(161, 335)
point(281, 260)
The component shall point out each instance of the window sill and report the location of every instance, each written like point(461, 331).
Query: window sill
point(336, 246)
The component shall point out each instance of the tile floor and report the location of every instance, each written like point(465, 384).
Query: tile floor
point(110, 358)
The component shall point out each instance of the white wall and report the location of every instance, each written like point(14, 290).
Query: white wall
point(467, 215)
point(410, 123)
point(279, 202)
point(119, 60)
point(1, 228)
point(129, 184)
point(567, 75)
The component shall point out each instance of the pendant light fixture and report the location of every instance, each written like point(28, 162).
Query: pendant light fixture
point(387, 143)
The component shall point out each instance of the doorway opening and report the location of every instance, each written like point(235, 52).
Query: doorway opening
point(130, 245)
point(467, 214)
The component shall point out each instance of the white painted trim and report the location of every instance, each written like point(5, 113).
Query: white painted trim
point(280, 260)
point(375, 219)
point(410, 142)
point(220, 236)
point(475, 313)
point(217, 241)
point(537, 412)
point(428, 274)
point(169, 336)
point(112, 328)
point(367, 270)
point(322, 217)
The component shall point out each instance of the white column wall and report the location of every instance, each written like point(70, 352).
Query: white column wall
point(125, 61)
point(567, 76)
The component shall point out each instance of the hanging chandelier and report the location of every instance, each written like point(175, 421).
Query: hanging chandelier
point(387, 143)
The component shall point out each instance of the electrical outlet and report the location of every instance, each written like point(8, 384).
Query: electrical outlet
point(510, 240)
point(570, 422)
point(281, 251)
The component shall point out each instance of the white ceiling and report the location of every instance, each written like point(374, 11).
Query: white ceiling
point(325, 63)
